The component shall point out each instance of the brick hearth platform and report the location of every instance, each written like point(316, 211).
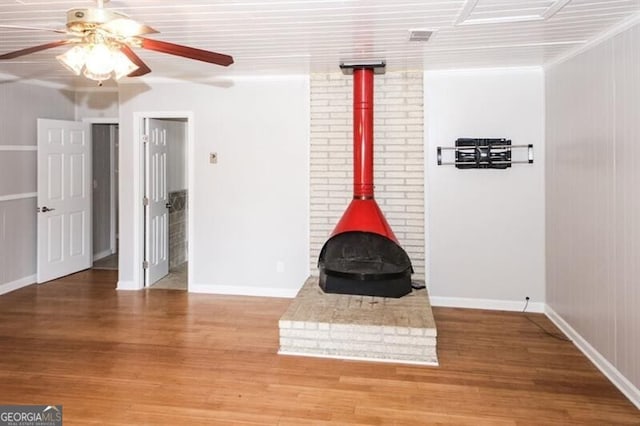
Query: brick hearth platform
point(359, 327)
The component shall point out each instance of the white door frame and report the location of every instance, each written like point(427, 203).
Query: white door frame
point(114, 196)
point(138, 190)
point(112, 177)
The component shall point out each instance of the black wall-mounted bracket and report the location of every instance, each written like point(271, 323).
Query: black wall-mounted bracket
point(475, 153)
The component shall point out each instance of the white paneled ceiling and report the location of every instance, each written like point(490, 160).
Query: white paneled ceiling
point(300, 36)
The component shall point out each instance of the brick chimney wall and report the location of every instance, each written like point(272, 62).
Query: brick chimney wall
point(398, 157)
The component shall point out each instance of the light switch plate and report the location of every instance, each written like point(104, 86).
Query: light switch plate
point(213, 157)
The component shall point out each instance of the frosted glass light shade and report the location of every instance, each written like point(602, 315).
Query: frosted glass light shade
point(122, 65)
point(96, 76)
point(99, 62)
point(73, 59)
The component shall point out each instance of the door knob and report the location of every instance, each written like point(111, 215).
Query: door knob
point(45, 209)
point(168, 205)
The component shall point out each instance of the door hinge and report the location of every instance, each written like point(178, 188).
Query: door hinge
point(145, 201)
point(145, 264)
point(145, 138)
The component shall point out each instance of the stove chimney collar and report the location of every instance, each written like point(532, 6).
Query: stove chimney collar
point(378, 66)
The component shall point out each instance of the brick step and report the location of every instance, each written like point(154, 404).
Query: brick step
point(359, 327)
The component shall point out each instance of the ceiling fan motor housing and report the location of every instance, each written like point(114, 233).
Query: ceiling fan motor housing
point(80, 20)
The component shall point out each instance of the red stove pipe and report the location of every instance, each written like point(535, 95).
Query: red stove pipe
point(363, 256)
point(363, 213)
point(363, 133)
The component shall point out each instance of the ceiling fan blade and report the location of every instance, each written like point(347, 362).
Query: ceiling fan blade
point(142, 67)
point(34, 49)
point(126, 27)
point(22, 27)
point(186, 52)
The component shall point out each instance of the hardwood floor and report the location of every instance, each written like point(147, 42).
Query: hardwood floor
point(169, 357)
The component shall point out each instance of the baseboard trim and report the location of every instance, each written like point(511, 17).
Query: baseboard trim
point(128, 285)
point(17, 284)
point(288, 293)
point(102, 255)
point(490, 304)
point(611, 372)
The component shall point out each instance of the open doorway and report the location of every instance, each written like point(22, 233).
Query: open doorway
point(105, 195)
point(166, 203)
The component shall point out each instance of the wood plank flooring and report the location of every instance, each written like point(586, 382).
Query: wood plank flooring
point(168, 357)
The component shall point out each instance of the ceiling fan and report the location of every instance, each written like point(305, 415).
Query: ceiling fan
point(103, 42)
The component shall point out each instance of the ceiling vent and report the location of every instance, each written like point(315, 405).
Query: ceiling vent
point(420, 35)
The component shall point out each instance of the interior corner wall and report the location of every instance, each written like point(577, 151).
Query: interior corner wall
point(398, 158)
point(485, 227)
point(593, 201)
point(21, 105)
point(251, 209)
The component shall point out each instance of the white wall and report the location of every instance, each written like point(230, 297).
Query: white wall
point(593, 204)
point(96, 103)
point(20, 106)
point(251, 209)
point(485, 228)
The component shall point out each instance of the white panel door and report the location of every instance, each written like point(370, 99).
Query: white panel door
point(157, 212)
point(64, 198)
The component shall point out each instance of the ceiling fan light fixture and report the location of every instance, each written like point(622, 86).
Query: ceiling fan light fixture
point(74, 59)
point(122, 65)
point(95, 76)
point(99, 60)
